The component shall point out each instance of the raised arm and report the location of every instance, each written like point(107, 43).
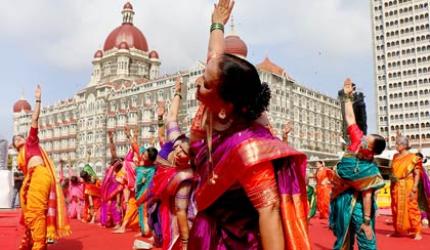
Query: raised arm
point(36, 113)
point(112, 146)
point(172, 115)
point(286, 131)
point(220, 16)
point(161, 128)
point(133, 142)
point(348, 99)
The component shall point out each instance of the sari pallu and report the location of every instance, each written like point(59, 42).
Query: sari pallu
point(353, 176)
point(226, 217)
point(165, 184)
point(144, 175)
point(323, 191)
point(406, 212)
point(311, 201)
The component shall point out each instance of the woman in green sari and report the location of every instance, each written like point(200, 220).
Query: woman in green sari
point(311, 200)
point(357, 177)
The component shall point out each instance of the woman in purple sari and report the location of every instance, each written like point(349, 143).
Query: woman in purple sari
point(252, 191)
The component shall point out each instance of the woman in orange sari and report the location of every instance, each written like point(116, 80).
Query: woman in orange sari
point(406, 172)
point(42, 201)
point(323, 189)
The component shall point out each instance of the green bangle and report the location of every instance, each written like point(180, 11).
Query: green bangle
point(217, 26)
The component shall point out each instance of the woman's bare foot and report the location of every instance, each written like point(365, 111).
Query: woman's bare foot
point(395, 234)
point(418, 237)
point(120, 230)
point(116, 227)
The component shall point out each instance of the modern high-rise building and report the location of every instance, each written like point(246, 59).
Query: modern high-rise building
point(125, 88)
point(401, 46)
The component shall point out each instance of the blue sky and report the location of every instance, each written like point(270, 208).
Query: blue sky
point(318, 42)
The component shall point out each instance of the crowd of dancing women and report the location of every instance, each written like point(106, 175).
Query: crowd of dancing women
point(229, 184)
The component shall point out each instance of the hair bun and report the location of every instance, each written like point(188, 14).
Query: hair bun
point(264, 96)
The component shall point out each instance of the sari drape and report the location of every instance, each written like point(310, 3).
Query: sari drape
point(312, 201)
point(353, 176)
point(323, 191)
point(406, 212)
point(144, 175)
point(226, 218)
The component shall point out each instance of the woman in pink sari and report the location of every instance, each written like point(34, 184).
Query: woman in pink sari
point(252, 190)
point(110, 210)
point(75, 198)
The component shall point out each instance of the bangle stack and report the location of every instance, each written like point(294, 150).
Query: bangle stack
point(217, 26)
point(160, 121)
point(38, 100)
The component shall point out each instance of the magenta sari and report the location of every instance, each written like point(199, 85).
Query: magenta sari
point(109, 212)
point(226, 219)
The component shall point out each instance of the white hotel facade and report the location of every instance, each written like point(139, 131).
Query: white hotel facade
point(401, 39)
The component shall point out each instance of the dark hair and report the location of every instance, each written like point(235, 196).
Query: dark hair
point(84, 175)
point(321, 162)
point(152, 153)
point(65, 183)
point(379, 144)
point(13, 139)
point(74, 180)
point(241, 86)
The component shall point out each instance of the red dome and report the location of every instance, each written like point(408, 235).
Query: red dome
point(236, 46)
point(128, 33)
point(98, 54)
point(123, 45)
point(127, 5)
point(153, 54)
point(20, 105)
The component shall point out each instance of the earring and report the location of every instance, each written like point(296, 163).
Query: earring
point(222, 115)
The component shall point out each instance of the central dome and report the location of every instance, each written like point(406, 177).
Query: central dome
point(127, 33)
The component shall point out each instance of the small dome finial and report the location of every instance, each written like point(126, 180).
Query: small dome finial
point(232, 26)
point(127, 13)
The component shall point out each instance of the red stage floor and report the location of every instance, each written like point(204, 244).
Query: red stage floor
point(91, 237)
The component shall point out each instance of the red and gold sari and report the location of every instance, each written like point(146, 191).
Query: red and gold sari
point(406, 213)
point(227, 218)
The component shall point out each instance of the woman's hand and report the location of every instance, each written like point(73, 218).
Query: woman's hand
point(161, 108)
point(347, 86)
point(222, 11)
point(413, 194)
point(38, 93)
point(288, 127)
point(178, 85)
point(367, 229)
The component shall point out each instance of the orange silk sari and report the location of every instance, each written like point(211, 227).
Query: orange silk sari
point(323, 190)
point(406, 213)
point(57, 224)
